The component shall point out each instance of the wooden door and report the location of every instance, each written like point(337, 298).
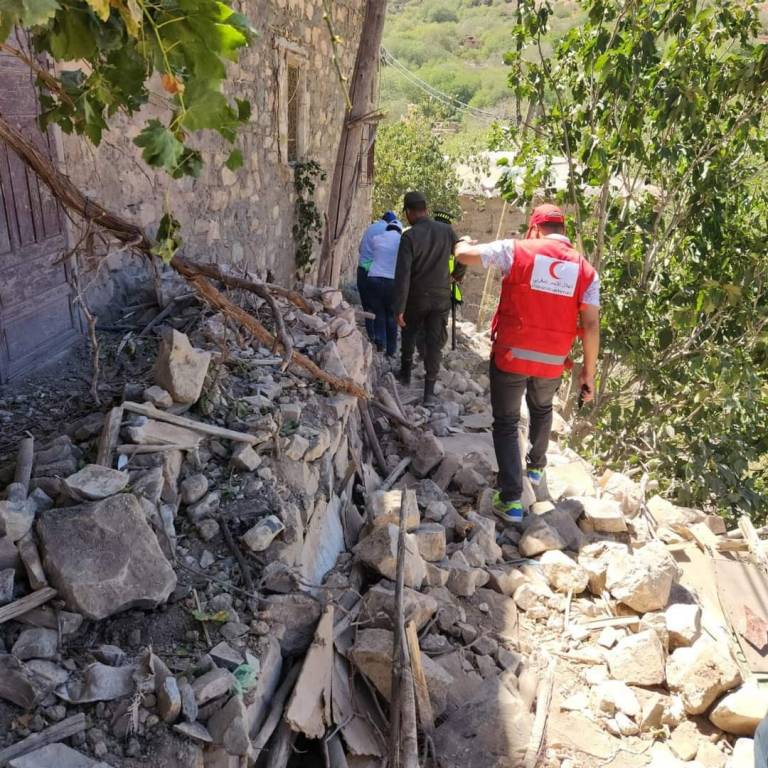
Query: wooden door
point(38, 320)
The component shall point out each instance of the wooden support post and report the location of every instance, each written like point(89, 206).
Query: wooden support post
point(423, 702)
point(109, 435)
point(24, 459)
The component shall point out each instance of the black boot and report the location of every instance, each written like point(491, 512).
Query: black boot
point(430, 399)
point(405, 372)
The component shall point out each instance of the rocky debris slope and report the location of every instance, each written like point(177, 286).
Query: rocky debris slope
point(204, 576)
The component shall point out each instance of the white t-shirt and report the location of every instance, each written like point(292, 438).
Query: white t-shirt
point(501, 254)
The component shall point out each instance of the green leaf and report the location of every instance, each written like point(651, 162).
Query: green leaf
point(38, 11)
point(160, 148)
point(235, 160)
point(243, 110)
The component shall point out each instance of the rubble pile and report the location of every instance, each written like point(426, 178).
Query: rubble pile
point(205, 576)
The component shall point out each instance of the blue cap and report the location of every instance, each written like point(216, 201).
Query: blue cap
point(389, 217)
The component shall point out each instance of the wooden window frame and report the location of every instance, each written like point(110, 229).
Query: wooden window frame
point(290, 55)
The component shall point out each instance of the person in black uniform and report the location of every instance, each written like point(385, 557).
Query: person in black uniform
point(423, 289)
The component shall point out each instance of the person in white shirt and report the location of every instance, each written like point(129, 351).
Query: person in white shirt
point(381, 287)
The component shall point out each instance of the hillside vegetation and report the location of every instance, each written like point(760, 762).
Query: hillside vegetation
point(458, 47)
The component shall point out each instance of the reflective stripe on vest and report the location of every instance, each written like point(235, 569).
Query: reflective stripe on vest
point(537, 357)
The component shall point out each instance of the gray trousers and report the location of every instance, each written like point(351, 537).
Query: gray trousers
point(507, 390)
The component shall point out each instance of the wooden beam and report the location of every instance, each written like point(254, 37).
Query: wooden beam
point(24, 604)
point(144, 409)
point(423, 702)
point(24, 460)
point(51, 735)
point(109, 435)
point(543, 700)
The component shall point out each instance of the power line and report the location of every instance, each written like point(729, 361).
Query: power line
point(430, 90)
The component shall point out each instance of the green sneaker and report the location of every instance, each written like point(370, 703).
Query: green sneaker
point(508, 511)
point(534, 475)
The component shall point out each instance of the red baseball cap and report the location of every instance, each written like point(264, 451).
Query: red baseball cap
point(545, 213)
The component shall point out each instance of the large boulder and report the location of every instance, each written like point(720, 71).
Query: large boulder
point(180, 368)
point(701, 673)
point(740, 712)
point(104, 558)
point(643, 580)
point(638, 659)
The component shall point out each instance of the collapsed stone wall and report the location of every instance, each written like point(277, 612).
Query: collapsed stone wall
point(243, 217)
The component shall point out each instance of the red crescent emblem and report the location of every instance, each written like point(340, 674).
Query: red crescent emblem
point(552, 267)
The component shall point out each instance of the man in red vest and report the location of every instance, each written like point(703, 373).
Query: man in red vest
point(550, 295)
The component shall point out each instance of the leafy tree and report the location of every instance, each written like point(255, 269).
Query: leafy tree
point(408, 157)
point(118, 46)
point(660, 110)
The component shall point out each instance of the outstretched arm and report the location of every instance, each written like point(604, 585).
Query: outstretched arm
point(468, 252)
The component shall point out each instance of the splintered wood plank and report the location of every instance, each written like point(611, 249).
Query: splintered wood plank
point(54, 733)
point(353, 712)
point(21, 606)
point(108, 438)
point(423, 703)
point(150, 411)
point(309, 707)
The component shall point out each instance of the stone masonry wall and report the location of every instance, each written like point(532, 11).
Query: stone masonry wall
point(246, 216)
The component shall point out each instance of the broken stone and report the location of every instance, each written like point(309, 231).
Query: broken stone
point(378, 607)
point(245, 458)
point(684, 741)
point(158, 396)
point(378, 550)
point(743, 754)
point(7, 580)
point(36, 643)
point(709, 756)
point(531, 595)
point(571, 479)
point(436, 577)
point(463, 580)
point(229, 727)
point(224, 655)
point(17, 684)
point(594, 558)
point(624, 490)
point(469, 481)
point(643, 581)
point(189, 708)
point(193, 488)
point(9, 555)
point(638, 659)
point(295, 446)
point(505, 579)
point(153, 432)
point(104, 558)
point(213, 684)
point(605, 515)
point(169, 699)
point(384, 508)
point(449, 466)
point(430, 541)
point(669, 515)
point(205, 507)
point(100, 682)
point(372, 655)
point(700, 674)
point(54, 756)
point(616, 696)
point(148, 484)
point(564, 574)
point(16, 517)
point(740, 712)
point(427, 453)
point(298, 614)
point(194, 731)
point(258, 538)
point(683, 623)
point(539, 537)
point(488, 730)
point(180, 368)
point(110, 654)
point(301, 476)
point(609, 637)
point(657, 622)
